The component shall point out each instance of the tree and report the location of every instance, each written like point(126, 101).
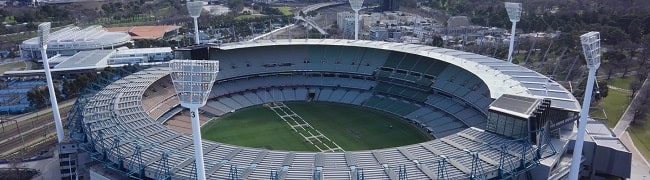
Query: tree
point(634, 86)
point(437, 41)
point(600, 90)
point(236, 5)
point(615, 60)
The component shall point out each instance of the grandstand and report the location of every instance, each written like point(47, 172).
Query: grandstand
point(69, 40)
point(446, 92)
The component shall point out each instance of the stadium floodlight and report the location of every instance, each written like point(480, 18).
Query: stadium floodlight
point(193, 80)
point(43, 38)
point(356, 6)
point(514, 13)
point(591, 47)
point(195, 8)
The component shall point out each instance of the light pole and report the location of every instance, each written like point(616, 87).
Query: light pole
point(193, 80)
point(514, 13)
point(43, 34)
point(356, 6)
point(591, 47)
point(194, 8)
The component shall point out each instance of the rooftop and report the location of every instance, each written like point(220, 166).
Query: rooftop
point(145, 32)
point(87, 59)
point(516, 105)
point(73, 37)
point(144, 50)
point(603, 136)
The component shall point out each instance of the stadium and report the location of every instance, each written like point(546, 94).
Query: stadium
point(489, 119)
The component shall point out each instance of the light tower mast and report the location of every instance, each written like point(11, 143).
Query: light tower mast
point(591, 47)
point(194, 8)
point(43, 38)
point(193, 80)
point(356, 6)
point(514, 13)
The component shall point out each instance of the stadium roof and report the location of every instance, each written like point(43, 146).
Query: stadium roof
point(145, 32)
point(500, 76)
point(95, 58)
point(73, 37)
point(516, 105)
point(144, 50)
point(603, 136)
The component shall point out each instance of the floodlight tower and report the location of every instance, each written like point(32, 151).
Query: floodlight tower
point(356, 6)
point(514, 13)
point(43, 38)
point(193, 80)
point(195, 8)
point(591, 47)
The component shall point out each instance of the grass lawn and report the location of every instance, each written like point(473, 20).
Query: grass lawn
point(641, 136)
point(597, 113)
point(622, 82)
point(12, 67)
point(247, 16)
point(351, 127)
point(285, 10)
point(615, 104)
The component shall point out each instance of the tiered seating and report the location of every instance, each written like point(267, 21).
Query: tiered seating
point(335, 166)
point(115, 112)
point(159, 98)
point(401, 91)
point(312, 57)
point(272, 161)
point(302, 166)
point(390, 105)
point(465, 86)
point(182, 122)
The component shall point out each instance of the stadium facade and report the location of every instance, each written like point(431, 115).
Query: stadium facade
point(72, 39)
point(453, 95)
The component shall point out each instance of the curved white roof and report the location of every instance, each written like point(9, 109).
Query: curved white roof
point(500, 76)
point(75, 38)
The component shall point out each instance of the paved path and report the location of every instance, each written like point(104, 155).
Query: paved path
point(628, 115)
point(640, 166)
point(619, 89)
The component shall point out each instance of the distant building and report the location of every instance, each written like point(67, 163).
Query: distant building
point(85, 59)
point(148, 32)
point(72, 39)
point(103, 58)
point(348, 27)
point(68, 160)
point(340, 18)
point(142, 55)
point(65, 1)
point(378, 34)
point(457, 25)
point(390, 5)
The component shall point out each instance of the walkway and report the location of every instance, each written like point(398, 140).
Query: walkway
point(640, 166)
point(313, 24)
point(627, 117)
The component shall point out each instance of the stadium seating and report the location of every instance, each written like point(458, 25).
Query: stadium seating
point(440, 97)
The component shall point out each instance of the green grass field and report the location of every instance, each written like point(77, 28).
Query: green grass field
point(14, 66)
point(285, 10)
point(615, 104)
point(622, 82)
point(247, 16)
point(640, 134)
point(351, 127)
